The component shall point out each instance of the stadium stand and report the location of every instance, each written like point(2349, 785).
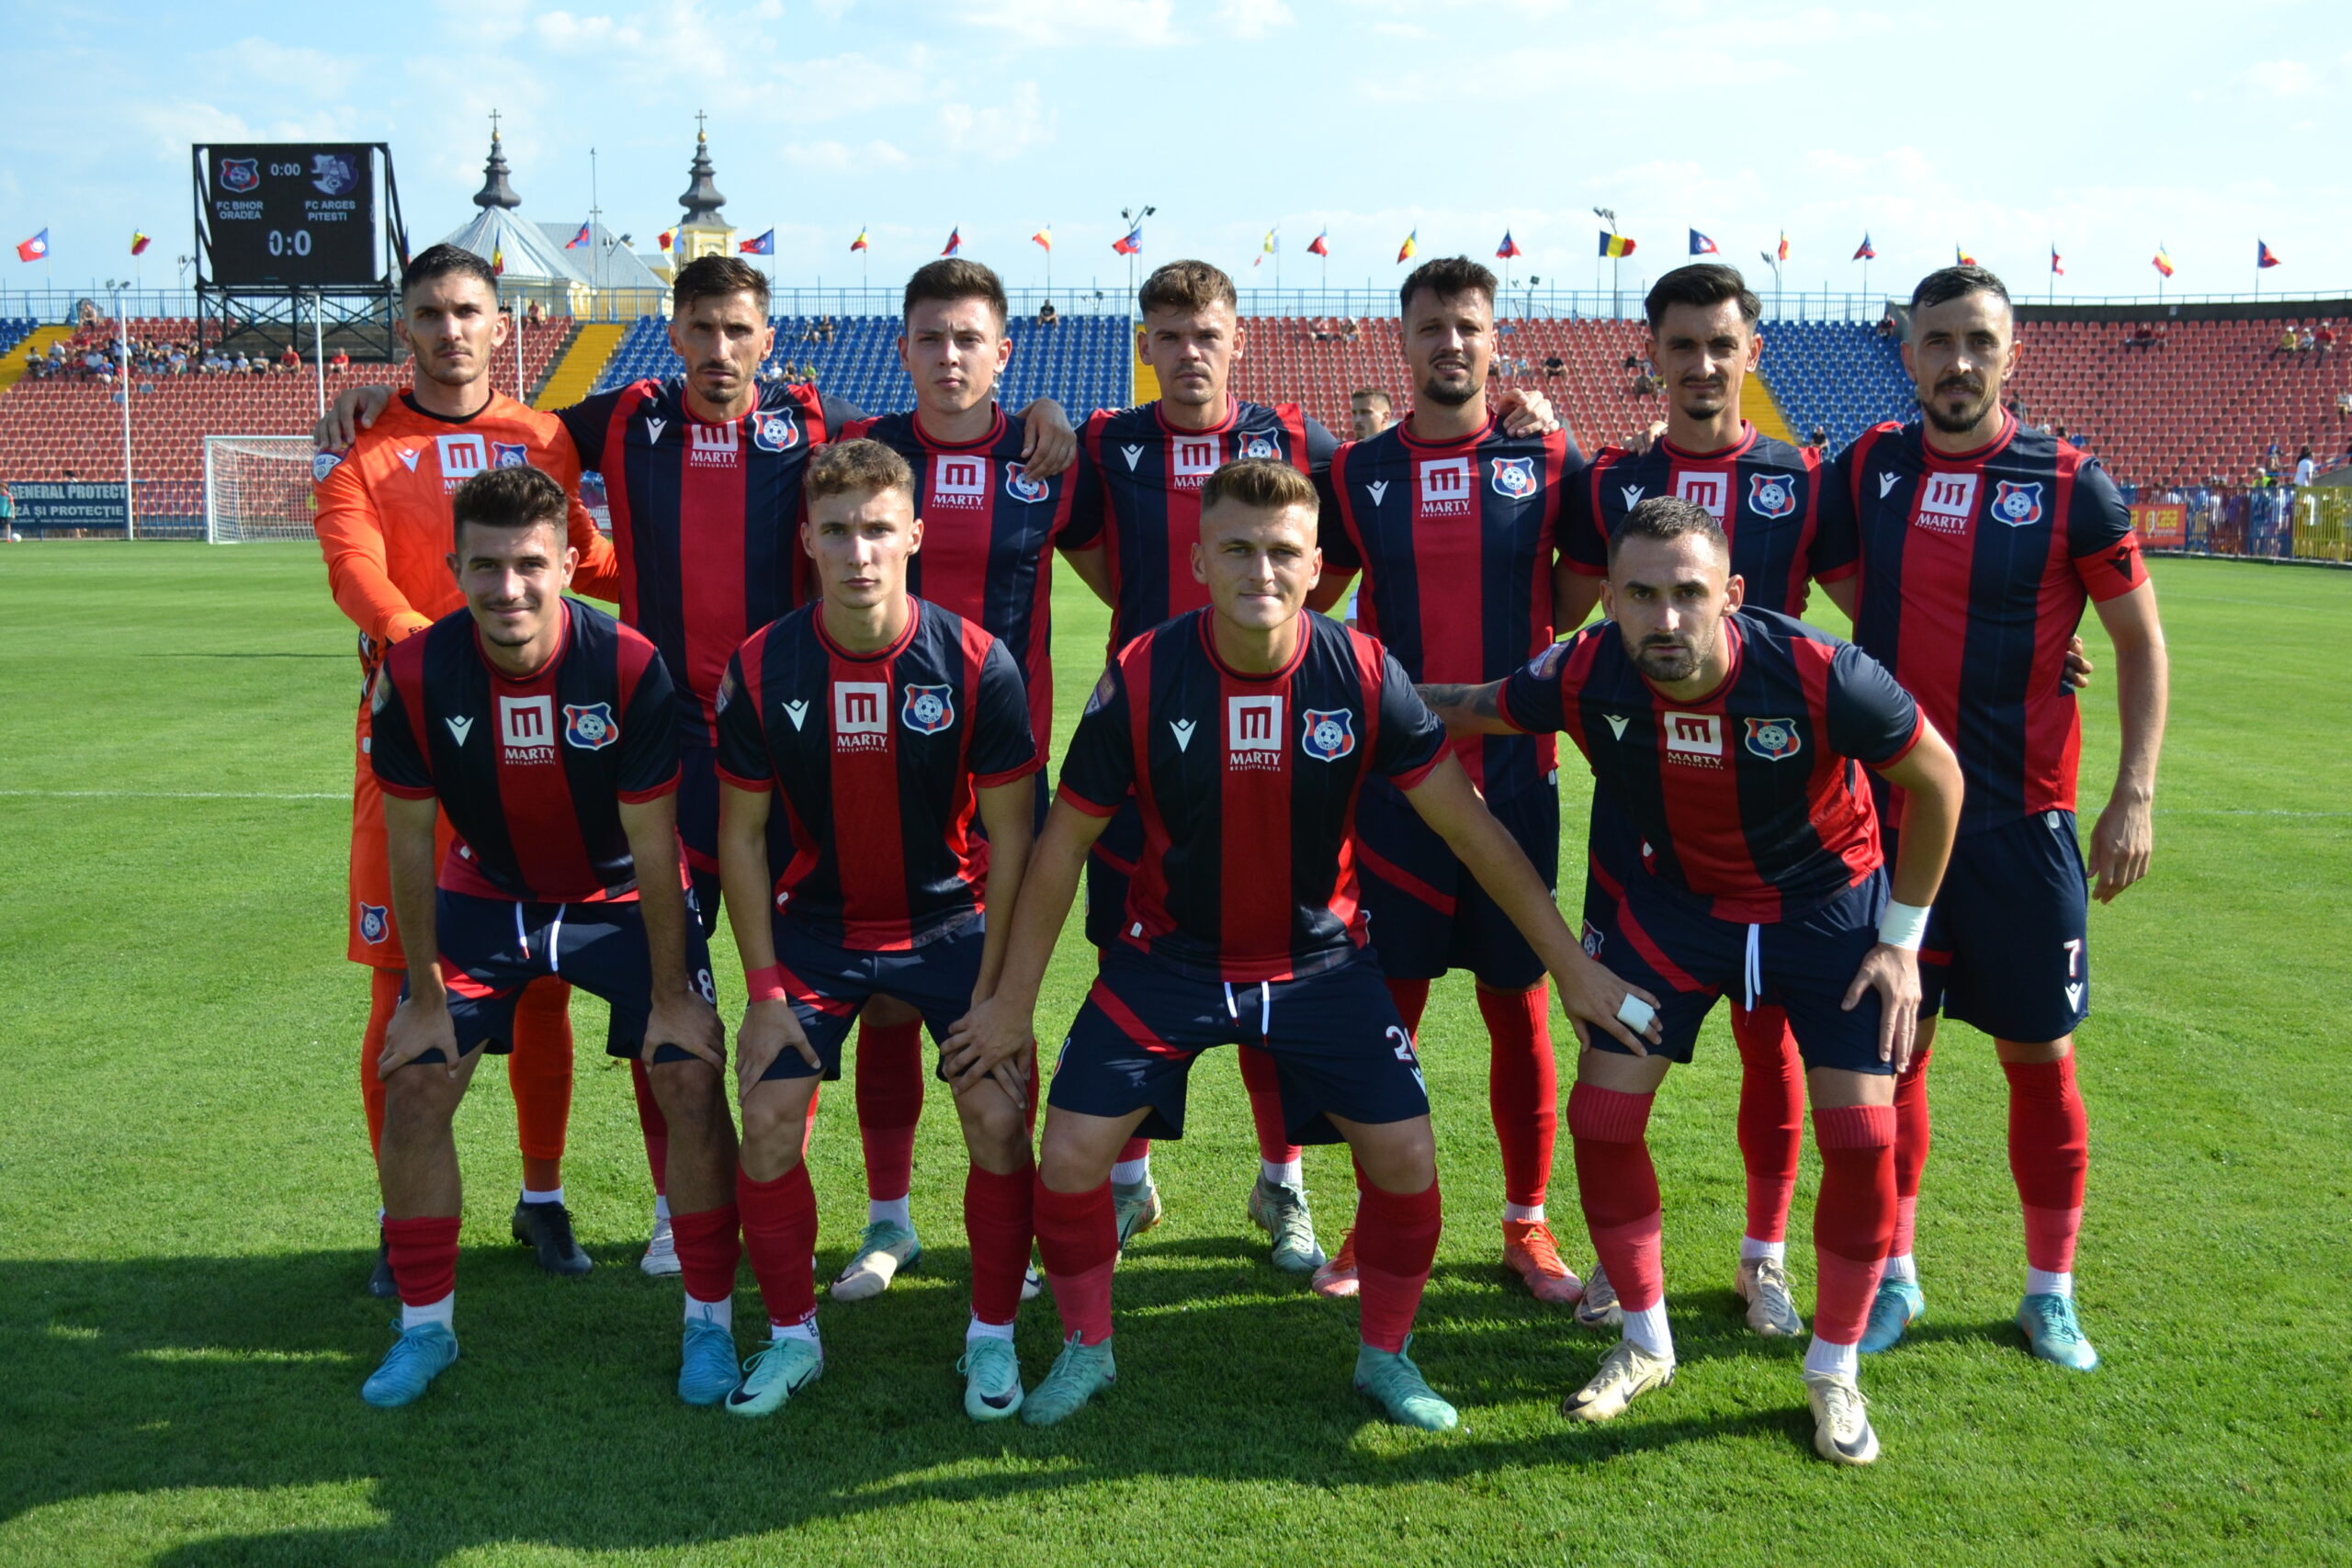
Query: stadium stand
point(1840, 375)
point(1081, 361)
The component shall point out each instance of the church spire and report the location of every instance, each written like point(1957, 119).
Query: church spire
point(495, 190)
point(702, 200)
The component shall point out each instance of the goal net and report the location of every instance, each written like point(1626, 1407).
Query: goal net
point(257, 487)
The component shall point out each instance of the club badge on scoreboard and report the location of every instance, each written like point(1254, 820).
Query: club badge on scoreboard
point(239, 174)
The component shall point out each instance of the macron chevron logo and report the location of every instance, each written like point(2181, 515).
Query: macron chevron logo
point(1184, 728)
point(2075, 995)
point(1887, 482)
point(1633, 494)
point(654, 427)
point(1134, 455)
point(1377, 490)
point(1616, 725)
point(797, 712)
point(410, 458)
point(460, 727)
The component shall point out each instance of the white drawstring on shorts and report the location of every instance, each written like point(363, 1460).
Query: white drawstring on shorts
point(1265, 1007)
point(554, 938)
point(1754, 977)
point(522, 936)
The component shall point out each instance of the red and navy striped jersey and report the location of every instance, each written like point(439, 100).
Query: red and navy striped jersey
point(1137, 490)
point(1748, 798)
point(1456, 542)
point(530, 773)
point(989, 533)
point(873, 758)
point(1239, 778)
point(1975, 571)
point(1772, 499)
point(705, 517)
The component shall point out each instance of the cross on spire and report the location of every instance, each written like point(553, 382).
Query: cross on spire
point(493, 124)
point(698, 119)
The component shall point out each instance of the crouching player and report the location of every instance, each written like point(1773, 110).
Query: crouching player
point(857, 738)
point(1245, 732)
point(1730, 737)
point(548, 733)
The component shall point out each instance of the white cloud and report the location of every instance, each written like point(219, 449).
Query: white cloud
point(1133, 22)
point(997, 133)
point(1250, 19)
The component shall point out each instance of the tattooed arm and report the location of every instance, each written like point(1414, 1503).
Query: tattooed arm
point(1469, 710)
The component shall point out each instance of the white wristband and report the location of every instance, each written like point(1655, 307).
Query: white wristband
point(1903, 925)
point(1634, 1014)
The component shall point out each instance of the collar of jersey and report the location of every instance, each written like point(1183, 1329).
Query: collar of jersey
point(1738, 448)
point(1298, 655)
point(562, 643)
point(1731, 671)
point(1404, 432)
point(1969, 459)
point(996, 433)
point(914, 619)
point(408, 400)
point(1232, 418)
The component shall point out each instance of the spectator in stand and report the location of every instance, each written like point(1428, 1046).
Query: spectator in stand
point(1886, 324)
point(34, 365)
point(244, 364)
point(2306, 340)
point(2287, 341)
point(257, 365)
point(825, 330)
point(2324, 339)
point(1370, 412)
point(1553, 365)
point(291, 360)
point(1048, 315)
point(1348, 330)
point(1817, 438)
point(2344, 405)
point(2304, 467)
point(340, 363)
point(535, 313)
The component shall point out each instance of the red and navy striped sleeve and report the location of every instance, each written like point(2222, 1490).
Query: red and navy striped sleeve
point(1101, 767)
point(1003, 749)
point(743, 758)
point(2100, 536)
point(838, 414)
point(1531, 699)
point(1583, 542)
point(1868, 716)
point(1089, 501)
point(1408, 740)
point(1342, 551)
point(648, 764)
point(587, 421)
point(395, 750)
point(1837, 542)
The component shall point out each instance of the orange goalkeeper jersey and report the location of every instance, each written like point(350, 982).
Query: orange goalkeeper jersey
point(383, 512)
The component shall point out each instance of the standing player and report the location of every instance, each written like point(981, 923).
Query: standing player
point(1453, 521)
point(1244, 731)
point(550, 735)
point(1976, 542)
point(989, 529)
point(1729, 737)
point(383, 526)
point(1369, 413)
point(882, 724)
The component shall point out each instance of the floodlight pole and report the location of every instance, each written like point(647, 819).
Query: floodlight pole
point(122, 338)
point(319, 345)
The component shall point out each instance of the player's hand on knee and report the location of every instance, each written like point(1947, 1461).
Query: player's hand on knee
point(1894, 974)
point(985, 1040)
point(1048, 442)
point(1594, 998)
point(418, 1026)
point(2077, 673)
point(689, 1024)
point(1526, 413)
point(769, 1029)
point(2122, 842)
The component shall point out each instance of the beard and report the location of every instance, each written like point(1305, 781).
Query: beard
point(1450, 394)
point(1669, 662)
point(1970, 416)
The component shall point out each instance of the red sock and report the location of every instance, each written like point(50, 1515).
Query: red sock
point(997, 1225)
point(1772, 1116)
point(654, 1127)
point(383, 996)
point(780, 1232)
point(1079, 1237)
point(2049, 1153)
point(538, 1070)
point(1263, 1081)
point(1522, 1087)
point(1412, 999)
point(889, 1104)
point(1911, 1140)
point(1396, 1243)
point(1853, 1219)
point(1618, 1187)
point(425, 1257)
point(1134, 1148)
point(709, 1244)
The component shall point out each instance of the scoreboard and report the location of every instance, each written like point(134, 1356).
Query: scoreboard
point(284, 212)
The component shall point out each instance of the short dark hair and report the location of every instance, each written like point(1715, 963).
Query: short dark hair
point(1702, 283)
point(1447, 277)
point(1265, 484)
point(1951, 282)
point(1667, 518)
point(1373, 394)
point(445, 261)
point(851, 468)
point(952, 279)
point(715, 277)
point(517, 497)
point(1186, 286)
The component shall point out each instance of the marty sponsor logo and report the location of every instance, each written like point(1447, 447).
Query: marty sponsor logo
point(1947, 502)
point(713, 445)
point(861, 716)
point(959, 480)
point(526, 730)
point(462, 456)
point(1709, 490)
point(1253, 733)
point(1445, 487)
point(1192, 460)
point(1694, 740)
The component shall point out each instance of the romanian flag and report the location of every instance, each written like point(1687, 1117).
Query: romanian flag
point(1962, 258)
point(1784, 245)
point(857, 244)
point(1864, 251)
point(1267, 249)
point(1320, 245)
point(762, 246)
point(497, 259)
point(34, 248)
point(2162, 261)
point(1700, 245)
point(954, 241)
point(578, 240)
point(1612, 245)
point(2263, 255)
point(665, 238)
point(1129, 244)
point(1412, 244)
point(1044, 237)
point(1509, 248)
point(138, 243)
point(2055, 269)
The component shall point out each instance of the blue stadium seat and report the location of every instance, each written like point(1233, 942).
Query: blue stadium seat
point(1840, 376)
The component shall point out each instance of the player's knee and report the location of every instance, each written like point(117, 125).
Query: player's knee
point(1397, 1156)
point(1068, 1164)
point(419, 1098)
point(773, 1120)
point(692, 1099)
point(995, 1130)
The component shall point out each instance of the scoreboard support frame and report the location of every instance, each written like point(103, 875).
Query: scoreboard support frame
point(356, 318)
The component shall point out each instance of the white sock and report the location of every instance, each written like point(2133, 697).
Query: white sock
point(443, 1311)
point(893, 1210)
point(552, 1195)
point(1647, 1329)
point(1751, 1249)
point(976, 1329)
point(721, 1312)
point(1290, 1173)
point(2042, 1282)
point(1525, 1213)
point(1843, 1361)
point(1127, 1172)
point(660, 1207)
point(1902, 1270)
point(805, 1329)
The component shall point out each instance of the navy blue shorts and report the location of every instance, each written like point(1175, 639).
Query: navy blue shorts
point(697, 798)
point(1686, 958)
point(491, 948)
point(2008, 947)
point(829, 982)
point(1338, 1043)
point(1428, 914)
point(1108, 871)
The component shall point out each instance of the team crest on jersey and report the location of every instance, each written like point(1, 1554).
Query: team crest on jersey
point(2018, 505)
point(1771, 495)
point(774, 430)
point(1330, 734)
point(509, 454)
point(1102, 693)
point(1260, 447)
point(1592, 940)
point(1514, 476)
point(1774, 738)
point(1020, 487)
point(239, 174)
point(375, 924)
point(928, 709)
point(589, 726)
point(322, 464)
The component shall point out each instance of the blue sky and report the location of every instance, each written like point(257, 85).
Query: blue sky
point(2105, 128)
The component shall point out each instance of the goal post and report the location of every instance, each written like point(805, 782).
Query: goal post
point(257, 487)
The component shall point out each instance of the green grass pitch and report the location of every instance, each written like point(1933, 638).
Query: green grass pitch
point(186, 1210)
